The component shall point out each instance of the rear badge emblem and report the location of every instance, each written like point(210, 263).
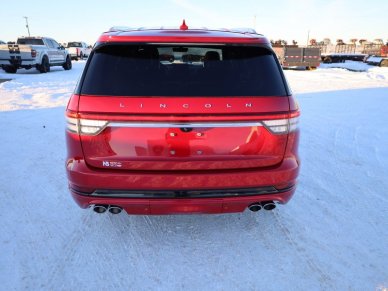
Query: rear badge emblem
point(112, 164)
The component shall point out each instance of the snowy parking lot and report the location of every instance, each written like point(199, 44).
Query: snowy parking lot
point(333, 235)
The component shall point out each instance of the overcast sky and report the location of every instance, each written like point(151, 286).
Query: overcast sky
point(84, 20)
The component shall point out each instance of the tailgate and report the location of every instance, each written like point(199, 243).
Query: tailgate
point(72, 50)
point(12, 51)
point(147, 134)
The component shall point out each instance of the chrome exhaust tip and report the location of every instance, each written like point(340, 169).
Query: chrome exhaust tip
point(269, 205)
point(255, 207)
point(99, 208)
point(115, 209)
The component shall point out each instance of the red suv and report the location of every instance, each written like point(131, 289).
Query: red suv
point(167, 121)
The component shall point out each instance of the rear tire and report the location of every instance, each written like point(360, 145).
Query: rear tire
point(10, 69)
point(45, 66)
point(327, 60)
point(67, 65)
point(384, 63)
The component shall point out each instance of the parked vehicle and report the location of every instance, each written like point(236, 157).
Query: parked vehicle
point(33, 52)
point(78, 50)
point(343, 52)
point(2, 42)
point(294, 56)
point(365, 51)
point(168, 121)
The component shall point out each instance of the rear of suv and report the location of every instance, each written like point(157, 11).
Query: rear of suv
point(169, 121)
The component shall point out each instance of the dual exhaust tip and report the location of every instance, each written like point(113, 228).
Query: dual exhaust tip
point(267, 205)
point(101, 208)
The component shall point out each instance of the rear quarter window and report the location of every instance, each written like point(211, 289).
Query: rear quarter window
point(182, 70)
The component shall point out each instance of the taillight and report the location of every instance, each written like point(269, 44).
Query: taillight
point(72, 124)
point(33, 53)
point(91, 127)
point(277, 126)
point(84, 126)
point(283, 126)
point(293, 123)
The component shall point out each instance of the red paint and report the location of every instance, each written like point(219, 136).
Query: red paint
point(169, 158)
point(184, 26)
point(182, 36)
point(183, 105)
point(183, 206)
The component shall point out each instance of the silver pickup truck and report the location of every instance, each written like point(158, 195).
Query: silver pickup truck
point(33, 52)
point(78, 50)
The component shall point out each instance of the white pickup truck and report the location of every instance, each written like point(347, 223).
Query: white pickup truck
point(33, 52)
point(78, 50)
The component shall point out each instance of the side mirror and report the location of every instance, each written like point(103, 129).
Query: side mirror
point(61, 47)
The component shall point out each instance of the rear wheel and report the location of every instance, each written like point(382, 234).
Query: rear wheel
point(384, 63)
point(45, 66)
point(327, 60)
point(67, 65)
point(10, 69)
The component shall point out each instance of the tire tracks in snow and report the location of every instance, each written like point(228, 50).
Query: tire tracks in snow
point(336, 156)
point(324, 279)
point(137, 243)
point(68, 252)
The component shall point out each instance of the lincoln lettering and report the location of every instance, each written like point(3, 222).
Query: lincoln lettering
point(187, 106)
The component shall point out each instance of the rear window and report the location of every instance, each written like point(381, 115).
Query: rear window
point(74, 44)
point(30, 41)
point(188, 70)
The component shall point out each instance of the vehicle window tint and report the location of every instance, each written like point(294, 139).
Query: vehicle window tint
point(74, 44)
point(30, 41)
point(151, 70)
point(56, 45)
point(50, 43)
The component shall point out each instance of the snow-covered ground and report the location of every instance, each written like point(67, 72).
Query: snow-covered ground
point(333, 235)
point(350, 65)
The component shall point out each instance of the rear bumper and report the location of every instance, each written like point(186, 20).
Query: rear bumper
point(160, 206)
point(20, 63)
point(73, 55)
point(84, 182)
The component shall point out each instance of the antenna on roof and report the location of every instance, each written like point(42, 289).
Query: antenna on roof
point(184, 26)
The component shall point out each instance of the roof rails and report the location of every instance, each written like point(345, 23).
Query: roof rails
point(236, 30)
point(243, 30)
point(122, 28)
point(37, 37)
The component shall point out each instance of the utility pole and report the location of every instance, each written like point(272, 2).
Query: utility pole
point(308, 37)
point(28, 28)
